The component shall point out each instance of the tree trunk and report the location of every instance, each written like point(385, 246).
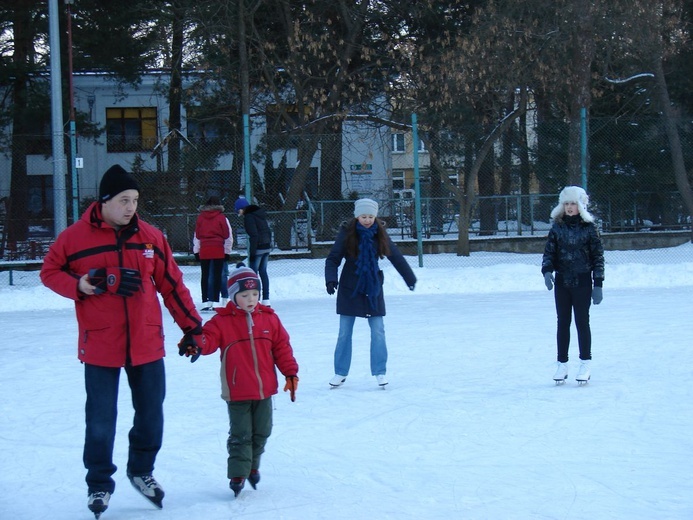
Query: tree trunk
point(282, 227)
point(583, 56)
point(436, 192)
point(175, 96)
point(669, 118)
point(465, 195)
point(18, 215)
point(331, 178)
point(525, 169)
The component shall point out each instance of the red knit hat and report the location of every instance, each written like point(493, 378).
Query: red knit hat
point(242, 279)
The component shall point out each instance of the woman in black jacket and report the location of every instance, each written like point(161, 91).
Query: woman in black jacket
point(574, 251)
point(361, 242)
point(259, 241)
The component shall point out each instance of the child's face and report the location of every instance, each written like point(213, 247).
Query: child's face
point(571, 208)
point(247, 300)
point(366, 220)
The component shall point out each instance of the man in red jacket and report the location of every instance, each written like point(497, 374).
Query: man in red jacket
point(112, 264)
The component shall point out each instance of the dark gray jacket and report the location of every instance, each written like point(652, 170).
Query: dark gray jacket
point(349, 304)
point(574, 251)
point(257, 229)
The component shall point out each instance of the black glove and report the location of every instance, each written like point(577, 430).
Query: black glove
point(549, 280)
point(116, 280)
point(188, 346)
point(197, 256)
point(331, 287)
point(412, 286)
point(227, 258)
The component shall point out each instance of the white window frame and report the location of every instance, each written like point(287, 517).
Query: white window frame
point(398, 142)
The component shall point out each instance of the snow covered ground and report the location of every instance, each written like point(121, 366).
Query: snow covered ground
point(471, 425)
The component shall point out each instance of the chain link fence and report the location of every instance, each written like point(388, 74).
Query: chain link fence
point(308, 184)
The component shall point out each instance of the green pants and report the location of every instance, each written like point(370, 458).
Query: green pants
point(251, 426)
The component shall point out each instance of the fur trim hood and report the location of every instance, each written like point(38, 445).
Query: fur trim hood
point(212, 207)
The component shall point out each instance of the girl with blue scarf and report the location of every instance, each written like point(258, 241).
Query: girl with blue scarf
point(361, 243)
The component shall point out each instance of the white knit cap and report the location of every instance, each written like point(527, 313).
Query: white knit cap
point(573, 194)
point(365, 207)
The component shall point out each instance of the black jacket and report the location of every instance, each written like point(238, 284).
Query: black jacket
point(348, 303)
point(257, 229)
point(575, 252)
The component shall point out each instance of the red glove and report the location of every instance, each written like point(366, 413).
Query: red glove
point(291, 386)
point(116, 280)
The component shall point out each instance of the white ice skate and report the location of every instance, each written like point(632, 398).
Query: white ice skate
point(337, 381)
point(561, 374)
point(583, 375)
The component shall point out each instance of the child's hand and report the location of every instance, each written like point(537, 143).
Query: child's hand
point(188, 346)
point(291, 386)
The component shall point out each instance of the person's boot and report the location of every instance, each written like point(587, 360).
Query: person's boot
point(254, 478)
point(236, 484)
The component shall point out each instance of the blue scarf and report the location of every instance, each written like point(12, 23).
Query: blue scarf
point(367, 265)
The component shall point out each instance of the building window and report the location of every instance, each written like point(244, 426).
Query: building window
point(203, 127)
point(397, 180)
point(398, 143)
point(131, 129)
point(422, 146)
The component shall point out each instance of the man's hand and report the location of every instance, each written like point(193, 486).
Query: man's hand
point(116, 280)
point(189, 346)
point(331, 287)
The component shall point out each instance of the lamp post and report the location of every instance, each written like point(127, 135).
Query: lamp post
point(59, 209)
point(72, 131)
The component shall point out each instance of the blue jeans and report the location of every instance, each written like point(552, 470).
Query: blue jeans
point(342, 352)
point(148, 387)
point(224, 280)
point(259, 264)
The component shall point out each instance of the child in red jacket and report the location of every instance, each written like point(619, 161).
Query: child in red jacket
point(252, 341)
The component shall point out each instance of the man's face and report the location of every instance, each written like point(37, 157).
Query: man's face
point(119, 211)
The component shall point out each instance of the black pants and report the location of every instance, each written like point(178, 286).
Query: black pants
point(575, 300)
point(210, 280)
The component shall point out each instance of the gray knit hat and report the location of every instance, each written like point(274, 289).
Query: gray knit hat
point(365, 207)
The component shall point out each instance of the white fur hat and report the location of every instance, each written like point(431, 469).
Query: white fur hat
point(573, 194)
point(365, 207)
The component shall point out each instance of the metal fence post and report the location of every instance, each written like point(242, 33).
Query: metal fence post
point(417, 189)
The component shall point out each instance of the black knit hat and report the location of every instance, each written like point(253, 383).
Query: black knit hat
point(115, 180)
